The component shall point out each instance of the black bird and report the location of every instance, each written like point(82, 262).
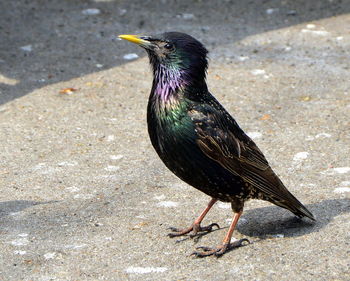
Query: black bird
point(199, 141)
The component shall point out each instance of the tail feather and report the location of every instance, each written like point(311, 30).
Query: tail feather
point(295, 206)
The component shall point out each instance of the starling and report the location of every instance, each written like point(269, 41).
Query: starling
point(199, 141)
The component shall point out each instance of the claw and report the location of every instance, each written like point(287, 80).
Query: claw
point(207, 228)
point(195, 228)
point(204, 248)
point(220, 250)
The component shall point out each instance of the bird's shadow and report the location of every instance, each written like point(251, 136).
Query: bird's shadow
point(15, 206)
point(273, 221)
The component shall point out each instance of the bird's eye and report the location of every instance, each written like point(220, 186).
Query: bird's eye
point(168, 46)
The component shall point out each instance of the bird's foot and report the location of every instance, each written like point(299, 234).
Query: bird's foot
point(195, 229)
point(220, 250)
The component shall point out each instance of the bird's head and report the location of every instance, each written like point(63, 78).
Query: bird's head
point(174, 51)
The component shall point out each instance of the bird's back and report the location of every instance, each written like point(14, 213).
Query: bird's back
point(200, 142)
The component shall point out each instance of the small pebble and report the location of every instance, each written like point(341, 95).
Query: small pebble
point(49, 256)
point(310, 26)
point(20, 253)
point(78, 246)
point(300, 156)
point(72, 189)
point(324, 135)
point(186, 16)
point(345, 183)
point(315, 32)
point(116, 157)
point(291, 13)
point(67, 164)
point(254, 135)
point(159, 197)
point(223, 205)
point(342, 189)
point(271, 11)
point(83, 196)
point(20, 242)
point(91, 12)
point(342, 170)
point(111, 168)
point(131, 56)
point(339, 170)
point(276, 235)
point(258, 72)
point(27, 48)
point(243, 58)
point(168, 204)
point(122, 12)
point(144, 270)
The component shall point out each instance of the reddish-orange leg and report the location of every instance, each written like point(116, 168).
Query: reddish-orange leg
point(226, 243)
point(196, 227)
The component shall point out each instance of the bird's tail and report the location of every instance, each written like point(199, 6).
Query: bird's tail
point(296, 207)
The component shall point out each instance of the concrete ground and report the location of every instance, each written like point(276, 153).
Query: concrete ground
point(85, 197)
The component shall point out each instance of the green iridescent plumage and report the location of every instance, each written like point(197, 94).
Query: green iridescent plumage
point(199, 141)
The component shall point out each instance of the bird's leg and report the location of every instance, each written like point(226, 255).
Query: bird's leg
point(196, 227)
point(226, 243)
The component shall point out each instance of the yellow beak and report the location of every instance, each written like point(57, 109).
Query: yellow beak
point(135, 39)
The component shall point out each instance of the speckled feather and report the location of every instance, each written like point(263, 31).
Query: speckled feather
point(197, 138)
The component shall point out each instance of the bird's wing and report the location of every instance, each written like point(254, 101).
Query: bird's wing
point(221, 139)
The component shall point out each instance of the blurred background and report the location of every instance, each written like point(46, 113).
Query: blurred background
point(44, 42)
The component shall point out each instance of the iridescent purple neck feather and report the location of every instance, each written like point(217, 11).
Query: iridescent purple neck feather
point(168, 81)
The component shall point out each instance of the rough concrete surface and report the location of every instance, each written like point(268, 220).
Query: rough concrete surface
point(85, 197)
